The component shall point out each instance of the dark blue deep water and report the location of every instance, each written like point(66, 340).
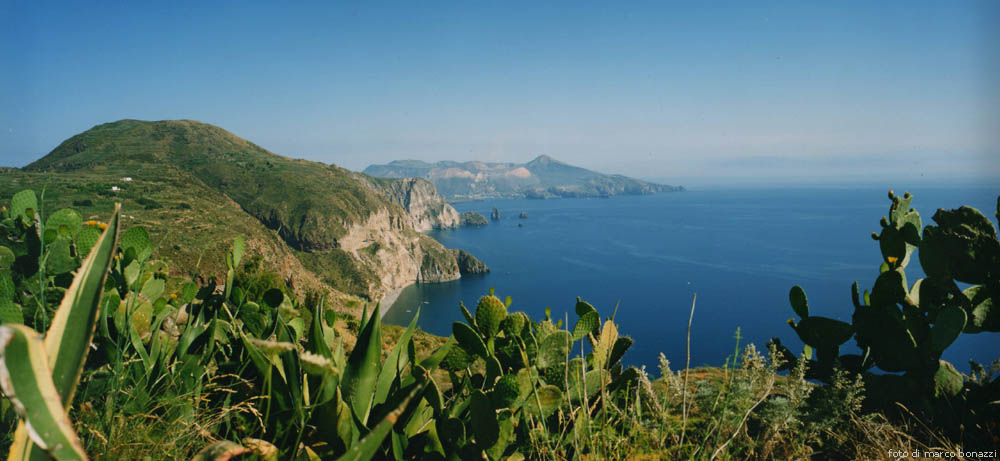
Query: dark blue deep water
point(740, 250)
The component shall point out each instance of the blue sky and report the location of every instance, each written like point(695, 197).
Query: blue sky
point(690, 93)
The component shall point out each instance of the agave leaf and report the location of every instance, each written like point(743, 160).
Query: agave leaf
point(26, 380)
point(239, 246)
point(394, 363)
point(68, 338)
point(360, 373)
point(317, 340)
point(367, 447)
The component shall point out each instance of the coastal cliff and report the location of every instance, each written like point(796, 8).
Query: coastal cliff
point(356, 234)
point(427, 210)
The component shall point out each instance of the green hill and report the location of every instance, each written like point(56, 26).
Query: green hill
point(200, 185)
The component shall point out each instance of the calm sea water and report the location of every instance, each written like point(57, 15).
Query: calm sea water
point(740, 250)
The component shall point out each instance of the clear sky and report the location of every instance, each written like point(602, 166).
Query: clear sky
point(690, 93)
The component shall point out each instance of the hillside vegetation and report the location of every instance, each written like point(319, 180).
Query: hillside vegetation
point(196, 185)
point(136, 363)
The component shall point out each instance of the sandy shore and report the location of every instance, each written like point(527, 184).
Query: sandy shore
point(389, 299)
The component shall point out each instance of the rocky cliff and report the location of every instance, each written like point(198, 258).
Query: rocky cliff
point(427, 210)
point(469, 264)
point(357, 234)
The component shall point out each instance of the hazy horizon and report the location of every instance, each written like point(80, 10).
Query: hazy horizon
point(699, 94)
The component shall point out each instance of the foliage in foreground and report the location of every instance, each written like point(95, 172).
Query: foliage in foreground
point(183, 368)
point(902, 328)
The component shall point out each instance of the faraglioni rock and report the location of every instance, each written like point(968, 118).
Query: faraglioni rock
point(471, 218)
point(495, 214)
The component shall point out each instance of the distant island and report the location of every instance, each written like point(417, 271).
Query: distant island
point(543, 177)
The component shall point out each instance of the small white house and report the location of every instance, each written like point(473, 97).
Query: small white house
point(127, 179)
point(115, 189)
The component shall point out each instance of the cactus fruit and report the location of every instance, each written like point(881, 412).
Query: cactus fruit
point(489, 313)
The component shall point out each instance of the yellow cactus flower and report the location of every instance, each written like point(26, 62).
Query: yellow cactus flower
point(173, 295)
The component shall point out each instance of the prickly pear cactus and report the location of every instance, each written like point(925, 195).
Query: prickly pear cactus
point(904, 328)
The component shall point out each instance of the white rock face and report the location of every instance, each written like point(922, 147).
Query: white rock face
point(397, 254)
point(427, 209)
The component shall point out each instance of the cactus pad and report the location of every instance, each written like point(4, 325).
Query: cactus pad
point(513, 324)
point(797, 297)
point(489, 313)
point(504, 392)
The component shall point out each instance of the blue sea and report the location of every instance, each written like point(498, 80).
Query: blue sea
point(739, 250)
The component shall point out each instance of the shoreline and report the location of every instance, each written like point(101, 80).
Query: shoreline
point(387, 301)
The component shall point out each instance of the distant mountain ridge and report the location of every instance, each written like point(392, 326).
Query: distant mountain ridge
point(543, 177)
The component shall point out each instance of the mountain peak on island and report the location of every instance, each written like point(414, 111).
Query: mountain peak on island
point(543, 177)
point(543, 160)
